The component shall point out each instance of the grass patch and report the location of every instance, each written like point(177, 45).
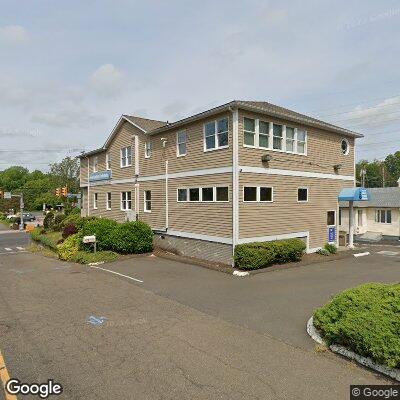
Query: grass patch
point(83, 257)
point(44, 251)
point(365, 319)
point(48, 239)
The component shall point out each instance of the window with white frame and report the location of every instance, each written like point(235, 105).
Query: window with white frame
point(126, 156)
point(108, 161)
point(181, 139)
point(216, 134)
point(108, 201)
point(263, 136)
point(340, 217)
point(266, 135)
point(301, 141)
point(147, 201)
point(147, 149)
point(277, 137)
point(383, 216)
point(203, 194)
point(302, 195)
point(290, 141)
point(95, 164)
point(249, 132)
point(331, 218)
point(95, 200)
point(261, 194)
point(126, 201)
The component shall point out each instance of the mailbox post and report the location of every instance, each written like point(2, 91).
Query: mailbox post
point(90, 239)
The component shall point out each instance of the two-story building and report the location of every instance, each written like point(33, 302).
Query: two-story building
point(241, 172)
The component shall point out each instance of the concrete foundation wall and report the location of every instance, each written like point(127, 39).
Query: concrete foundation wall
point(202, 249)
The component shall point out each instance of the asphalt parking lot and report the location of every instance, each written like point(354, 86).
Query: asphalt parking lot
point(160, 329)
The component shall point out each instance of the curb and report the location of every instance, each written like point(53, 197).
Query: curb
point(393, 373)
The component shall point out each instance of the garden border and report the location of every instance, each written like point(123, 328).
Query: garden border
point(392, 373)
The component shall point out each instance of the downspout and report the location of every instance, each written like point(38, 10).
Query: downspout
point(166, 196)
point(235, 180)
point(88, 186)
point(137, 173)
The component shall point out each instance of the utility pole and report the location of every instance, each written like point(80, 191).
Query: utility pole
point(21, 206)
point(363, 172)
point(383, 175)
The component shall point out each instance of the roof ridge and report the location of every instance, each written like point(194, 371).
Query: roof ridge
point(147, 119)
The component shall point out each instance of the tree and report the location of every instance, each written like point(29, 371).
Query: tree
point(373, 175)
point(392, 164)
point(66, 173)
point(13, 178)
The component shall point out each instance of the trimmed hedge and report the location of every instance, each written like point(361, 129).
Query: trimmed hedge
point(132, 237)
point(104, 230)
point(263, 254)
point(364, 319)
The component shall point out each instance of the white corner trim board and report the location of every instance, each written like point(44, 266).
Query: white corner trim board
point(190, 235)
point(287, 172)
point(393, 373)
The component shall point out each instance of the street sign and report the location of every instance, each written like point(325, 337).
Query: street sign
point(89, 239)
point(7, 195)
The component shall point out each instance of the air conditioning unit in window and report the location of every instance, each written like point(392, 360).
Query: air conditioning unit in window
point(130, 215)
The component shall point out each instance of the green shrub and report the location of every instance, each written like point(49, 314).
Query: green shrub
point(48, 220)
point(73, 218)
point(103, 228)
point(263, 254)
point(69, 229)
point(58, 219)
point(331, 248)
point(366, 320)
point(323, 252)
point(132, 237)
point(83, 257)
point(69, 247)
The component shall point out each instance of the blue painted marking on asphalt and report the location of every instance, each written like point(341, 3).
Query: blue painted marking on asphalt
point(96, 320)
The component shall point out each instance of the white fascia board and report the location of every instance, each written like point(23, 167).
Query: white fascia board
point(287, 172)
point(190, 235)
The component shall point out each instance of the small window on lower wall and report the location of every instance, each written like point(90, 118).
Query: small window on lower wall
point(203, 194)
point(207, 194)
point(302, 195)
point(108, 201)
point(194, 194)
point(330, 218)
point(147, 201)
point(383, 216)
point(95, 200)
point(258, 194)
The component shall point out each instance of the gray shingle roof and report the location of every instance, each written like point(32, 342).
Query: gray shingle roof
point(145, 123)
point(388, 197)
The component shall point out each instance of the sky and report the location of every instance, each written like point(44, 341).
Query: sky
point(68, 70)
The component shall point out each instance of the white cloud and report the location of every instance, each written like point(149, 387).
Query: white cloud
point(13, 34)
point(107, 80)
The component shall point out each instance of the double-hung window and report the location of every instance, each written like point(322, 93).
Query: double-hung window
point(126, 201)
point(95, 164)
point(249, 132)
point(126, 156)
point(147, 201)
point(147, 149)
point(301, 141)
point(290, 139)
point(383, 216)
point(216, 134)
point(263, 137)
point(95, 200)
point(108, 162)
point(278, 136)
point(181, 139)
point(108, 201)
point(258, 194)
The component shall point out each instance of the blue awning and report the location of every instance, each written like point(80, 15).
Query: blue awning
point(354, 194)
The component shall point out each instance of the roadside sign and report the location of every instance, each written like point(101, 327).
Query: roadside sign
point(332, 234)
point(7, 195)
point(89, 239)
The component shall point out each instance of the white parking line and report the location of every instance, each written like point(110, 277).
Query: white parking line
point(20, 248)
point(117, 273)
point(7, 249)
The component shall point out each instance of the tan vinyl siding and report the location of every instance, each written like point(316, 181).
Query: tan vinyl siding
point(196, 157)
point(285, 214)
point(83, 171)
point(115, 212)
point(323, 150)
point(156, 218)
point(212, 219)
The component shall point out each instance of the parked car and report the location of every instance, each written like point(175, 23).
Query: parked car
point(11, 216)
point(28, 217)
